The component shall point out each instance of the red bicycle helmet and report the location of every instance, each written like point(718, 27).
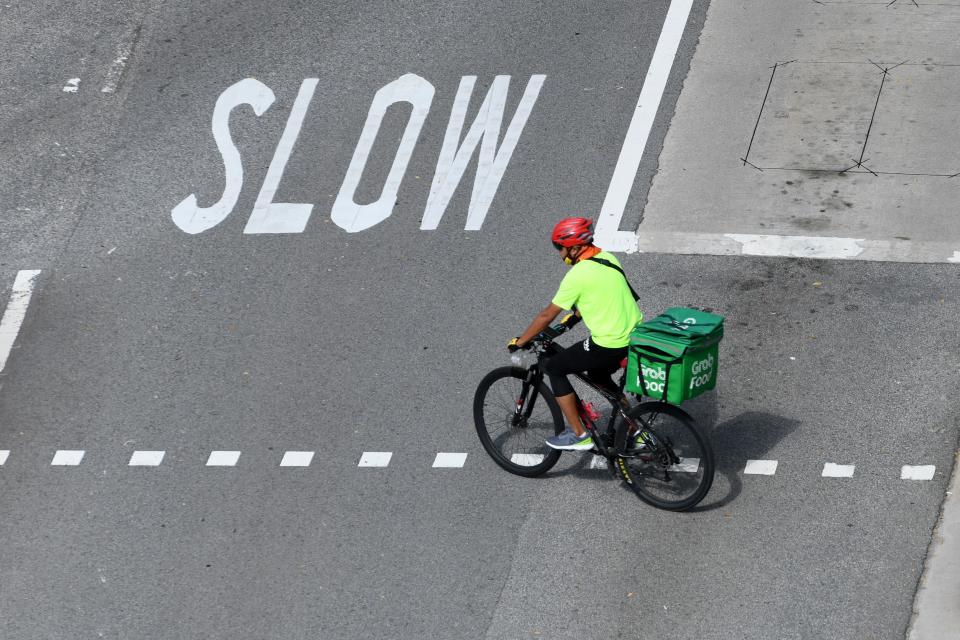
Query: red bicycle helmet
point(572, 232)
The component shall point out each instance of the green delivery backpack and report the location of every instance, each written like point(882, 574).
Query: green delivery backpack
point(674, 357)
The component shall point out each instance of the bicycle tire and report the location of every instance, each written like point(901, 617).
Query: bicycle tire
point(670, 484)
point(534, 449)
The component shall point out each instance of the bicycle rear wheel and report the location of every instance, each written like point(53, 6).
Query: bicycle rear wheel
point(668, 463)
point(515, 441)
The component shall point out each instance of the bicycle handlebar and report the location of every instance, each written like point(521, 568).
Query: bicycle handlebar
point(549, 334)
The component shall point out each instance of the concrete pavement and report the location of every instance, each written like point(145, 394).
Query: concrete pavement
point(936, 614)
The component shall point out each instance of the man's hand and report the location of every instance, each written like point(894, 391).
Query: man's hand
point(513, 346)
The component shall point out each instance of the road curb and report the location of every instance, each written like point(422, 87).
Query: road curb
point(936, 607)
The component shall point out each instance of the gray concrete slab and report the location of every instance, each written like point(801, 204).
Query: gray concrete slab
point(813, 124)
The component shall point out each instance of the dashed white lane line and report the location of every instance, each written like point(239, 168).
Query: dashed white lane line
point(452, 460)
point(16, 311)
point(72, 85)
point(686, 465)
point(919, 472)
point(375, 459)
point(449, 460)
point(596, 462)
point(223, 458)
point(297, 459)
point(831, 470)
point(527, 459)
point(146, 458)
point(67, 458)
point(760, 467)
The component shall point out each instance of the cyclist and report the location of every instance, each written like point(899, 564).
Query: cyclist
point(597, 291)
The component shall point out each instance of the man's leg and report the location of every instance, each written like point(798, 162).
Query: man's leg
point(570, 360)
point(568, 404)
point(580, 356)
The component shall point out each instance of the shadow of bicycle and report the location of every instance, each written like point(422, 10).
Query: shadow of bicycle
point(749, 436)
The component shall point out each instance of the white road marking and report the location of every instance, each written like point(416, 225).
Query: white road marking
point(449, 460)
point(597, 462)
point(16, 311)
point(607, 232)
point(67, 458)
point(453, 160)
point(223, 458)
point(283, 217)
point(115, 72)
point(798, 246)
point(146, 458)
point(72, 85)
point(297, 459)
point(760, 467)
point(527, 459)
point(4, 454)
point(686, 465)
point(732, 244)
point(187, 215)
point(375, 459)
point(346, 212)
point(831, 470)
point(920, 472)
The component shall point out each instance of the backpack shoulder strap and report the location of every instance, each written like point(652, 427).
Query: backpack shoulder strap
point(607, 263)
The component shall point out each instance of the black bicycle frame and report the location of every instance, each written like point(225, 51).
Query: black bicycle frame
point(525, 403)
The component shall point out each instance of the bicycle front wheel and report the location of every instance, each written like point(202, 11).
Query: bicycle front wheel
point(667, 461)
point(515, 439)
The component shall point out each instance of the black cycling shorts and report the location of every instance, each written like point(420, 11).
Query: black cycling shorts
point(598, 362)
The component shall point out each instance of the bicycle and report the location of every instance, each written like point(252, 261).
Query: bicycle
point(656, 448)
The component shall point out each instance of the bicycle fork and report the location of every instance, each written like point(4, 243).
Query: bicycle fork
point(527, 399)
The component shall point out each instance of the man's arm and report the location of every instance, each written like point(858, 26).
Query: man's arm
point(540, 322)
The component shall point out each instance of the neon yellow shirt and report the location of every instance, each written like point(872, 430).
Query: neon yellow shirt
point(603, 298)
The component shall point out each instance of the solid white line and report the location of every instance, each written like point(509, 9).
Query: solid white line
point(527, 459)
point(15, 312)
point(823, 247)
point(223, 458)
point(146, 458)
point(375, 459)
point(4, 454)
point(831, 470)
point(920, 472)
point(761, 467)
point(798, 246)
point(449, 460)
point(634, 143)
point(67, 458)
point(297, 459)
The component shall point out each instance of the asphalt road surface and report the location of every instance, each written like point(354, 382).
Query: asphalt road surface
point(230, 329)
